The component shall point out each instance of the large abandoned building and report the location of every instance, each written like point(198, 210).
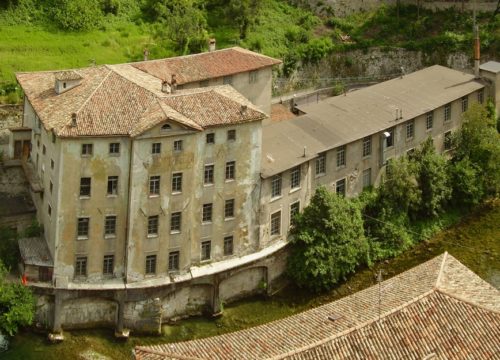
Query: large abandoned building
point(164, 189)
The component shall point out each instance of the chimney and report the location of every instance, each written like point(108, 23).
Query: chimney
point(400, 113)
point(477, 51)
point(73, 120)
point(211, 45)
point(173, 83)
point(397, 113)
point(243, 109)
point(146, 54)
point(165, 87)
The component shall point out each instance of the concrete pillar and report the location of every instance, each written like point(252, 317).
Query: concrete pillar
point(216, 305)
point(57, 324)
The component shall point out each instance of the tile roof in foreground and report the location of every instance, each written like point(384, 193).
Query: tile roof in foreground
point(342, 119)
point(207, 65)
point(120, 100)
point(439, 309)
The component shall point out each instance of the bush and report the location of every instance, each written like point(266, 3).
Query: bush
point(17, 305)
point(77, 15)
point(9, 250)
point(327, 241)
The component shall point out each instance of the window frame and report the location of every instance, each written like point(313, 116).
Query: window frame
point(83, 227)
point(81, 267)
point(447, 141)
point(108, 265)
point(178, 145)
point(156, 148)
point(229, 209)
point(207, 213)
point(480, 96)
point(110, 226)
point(154, 185)
point(295, 177)
point(341, 184)
point(230, 171)
point(176, 222)
point(429, 121)
point(321, 164)
point(341, 156)
point(364, 177)
point(275, 228)
point(206, 250)
point(294, 211)
point(276, 186)
point(367, 146)
point(410, 129)
point(153, 225)
point(177, 183)
point(208, 174)
point(447, 112)
point(150, 268)
point(114, 149)
point(228, 245)
point(85, 189)
point(464, 102)
point(87, 150)
point(231, 135)
point(174, 258)
point(112, 186)
point(210, 138)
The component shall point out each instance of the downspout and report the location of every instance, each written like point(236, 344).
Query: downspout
point(129, 200)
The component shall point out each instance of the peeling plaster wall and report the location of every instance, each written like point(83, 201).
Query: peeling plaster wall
point(196, 153)
point(88, 312)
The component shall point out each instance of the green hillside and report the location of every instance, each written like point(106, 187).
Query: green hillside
point(57, 34)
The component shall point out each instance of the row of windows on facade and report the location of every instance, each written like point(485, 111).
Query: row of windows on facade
point(83, 225)
point(151, 263)
point(114, 148)
point(154, 181)
point(276, 182)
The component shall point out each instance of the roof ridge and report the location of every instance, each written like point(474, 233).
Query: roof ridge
point(161, 353)
point(441, 270)
point(112, 68)
point(353, 328)
point(180, 56)
point(94, 91)
point(467, 301)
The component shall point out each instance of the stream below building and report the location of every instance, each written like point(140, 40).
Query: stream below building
point(475, 241)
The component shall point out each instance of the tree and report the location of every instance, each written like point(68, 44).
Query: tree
point(479, 141)
point(17, 305)
point(432, 178)
point(467, 187)
point(243, 13)
point(77, 15)
point(327, 241)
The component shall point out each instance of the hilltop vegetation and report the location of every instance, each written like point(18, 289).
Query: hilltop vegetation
point(51, 34)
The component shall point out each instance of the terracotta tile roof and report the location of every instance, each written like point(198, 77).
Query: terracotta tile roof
point(68, 75)
point(206, 65)
point(121, 100)
point(414, 310)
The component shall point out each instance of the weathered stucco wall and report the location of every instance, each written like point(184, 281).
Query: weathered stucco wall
point(88, 312)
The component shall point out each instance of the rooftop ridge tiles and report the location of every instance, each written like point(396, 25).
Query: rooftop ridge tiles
point(353, 328)
point(163, 354)
point(467, 301)
point(441, 270)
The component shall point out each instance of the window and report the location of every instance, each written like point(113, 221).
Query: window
point(276, 223)
point(44, 150)
point(51, 187)
point(112, 185)
point(38, 143)
point(228, 245)
point(367, 177)
point(175, 222)
point(341, 156)
point(153, 225)
point(165, 127)
point(177, 182)
point(465, 103)
point(87, 149)
point(410, 129)
point(154, 185)
point(252, 76)
point(480, 96)
point(49, 209)
point(52, 164)
point(206, 215)
point(150, 264)
point(295, 177)
point(276, 186)
point(108, 265)
point(208, 175)
point(294, 210)
point(231, 135)
point(429, 120)
point(447, 140)
point(206, 249)
point(173, 260)
point(211, 138)
point(53, 137)
point(321, 164)
point(114, 148)
point(340, 187)
point(81, 266)
point(367, 146)
point(447, 112)
point(229, 209)
point(155, 148)
point(178, 145)
point(83, 227)
point(85, 185)
point(389, 138)
point(110, 225)
point(230, 170)
point(227, 80)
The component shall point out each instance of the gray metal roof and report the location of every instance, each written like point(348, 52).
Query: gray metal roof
point(492, 66)
point(34, 251)
point(346, 118)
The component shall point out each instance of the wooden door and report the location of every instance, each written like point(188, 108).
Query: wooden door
point(17, 149)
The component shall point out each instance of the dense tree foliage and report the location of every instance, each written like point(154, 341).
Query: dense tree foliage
point(328, 241)
point(77, 15)
point(432, 178)
point(17, 304)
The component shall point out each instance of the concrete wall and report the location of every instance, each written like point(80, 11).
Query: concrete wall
point(88, 312)
point(10, 116)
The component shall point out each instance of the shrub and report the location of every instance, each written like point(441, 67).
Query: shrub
point(327, 241)
point(77, 15)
